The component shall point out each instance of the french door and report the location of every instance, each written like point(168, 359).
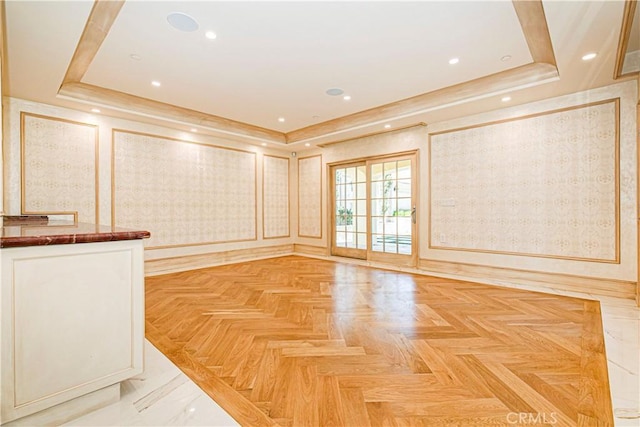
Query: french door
point(374, 210)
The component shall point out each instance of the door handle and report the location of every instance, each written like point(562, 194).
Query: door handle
point(413, 214)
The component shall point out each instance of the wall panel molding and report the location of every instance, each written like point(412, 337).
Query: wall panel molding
point(185, 193)
point(310, 197)
point(59, 167)
point(542, 185)
point(275, 197)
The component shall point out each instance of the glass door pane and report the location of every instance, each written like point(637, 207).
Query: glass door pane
point(392, 222)
point(350, 210)
point(373, 213)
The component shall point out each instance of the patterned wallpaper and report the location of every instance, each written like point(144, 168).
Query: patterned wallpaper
point(59, 166)
point(310, 196)
point(275, 196)
point(544, 185)
point(184, 193)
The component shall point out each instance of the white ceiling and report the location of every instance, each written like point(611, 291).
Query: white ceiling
point(277, 59)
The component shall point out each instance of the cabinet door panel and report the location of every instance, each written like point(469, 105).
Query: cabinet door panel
point(72, 322)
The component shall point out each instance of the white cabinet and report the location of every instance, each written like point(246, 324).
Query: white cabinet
point(71, 322)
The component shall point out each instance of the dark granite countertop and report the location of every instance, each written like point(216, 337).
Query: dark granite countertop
point(38, 231)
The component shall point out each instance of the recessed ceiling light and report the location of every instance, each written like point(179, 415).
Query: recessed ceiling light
point(335, 92)
point(182, 22)
point(506, 98)
point(194, 130)
point(505, 58)
point(95, 110)
point(315, 117)
point(307, 145)
point(281, 119)
point(387, 126)
point(135, 57)
point(210, 35)
point(346, 98)
point(453, 61)
point(589, 56)
point(156, 83)
point(264, 144)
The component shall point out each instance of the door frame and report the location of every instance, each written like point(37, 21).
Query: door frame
point(370, 255)
point(344, 252)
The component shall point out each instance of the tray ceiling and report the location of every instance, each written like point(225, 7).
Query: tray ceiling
point(276, 60)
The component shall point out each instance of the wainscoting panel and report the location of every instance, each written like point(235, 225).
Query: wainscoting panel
point(310, 250)
point(275, 197)
point(59, 164)
point(566, 282)
point(184, 193)
point(160, 266)
point(310, 196)
point(546, 185)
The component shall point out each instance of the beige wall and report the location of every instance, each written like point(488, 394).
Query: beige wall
point(2, 77)
point(307, 181)
point(185, 193)
point(196, 194)
point(68, 184)
point(417, 139)
point(544, 185)
point(309, 200)
point(275, 197)
point(410, 139)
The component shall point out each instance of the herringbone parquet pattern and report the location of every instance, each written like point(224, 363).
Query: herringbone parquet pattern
point(303, 342)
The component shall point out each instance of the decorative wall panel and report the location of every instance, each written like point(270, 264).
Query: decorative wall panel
point(275, 196)
point(184, 193)
point(544, 185)
point(310, 197)
point(59, 164)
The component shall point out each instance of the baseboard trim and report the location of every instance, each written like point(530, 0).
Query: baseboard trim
point(311, 250)
point(156, 267)
point(566, 282)
point(462, 271)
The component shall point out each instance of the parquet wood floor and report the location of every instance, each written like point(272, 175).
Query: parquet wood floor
point(294, 341)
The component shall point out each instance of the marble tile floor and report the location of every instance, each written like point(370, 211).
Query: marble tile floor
point(622, 343)
point(162, 395)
